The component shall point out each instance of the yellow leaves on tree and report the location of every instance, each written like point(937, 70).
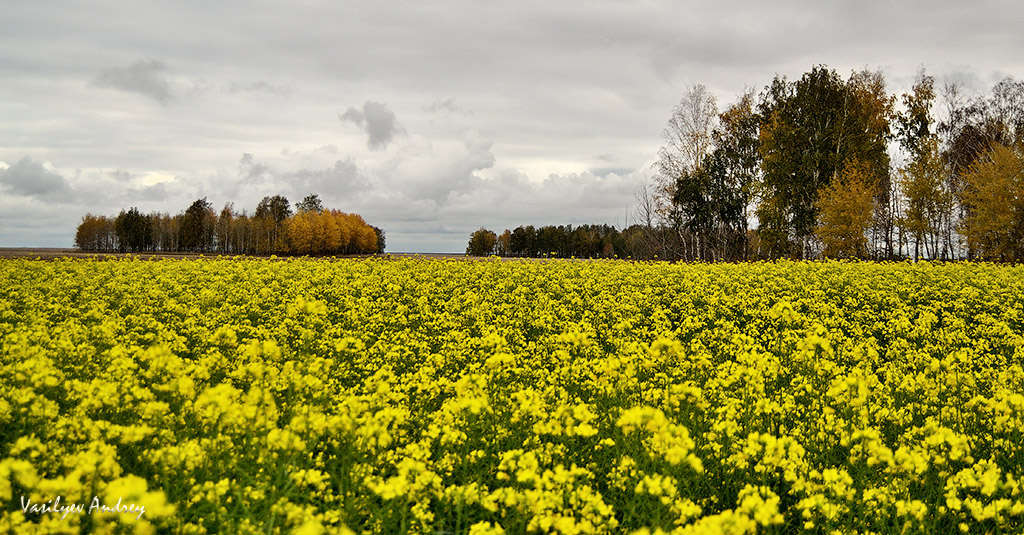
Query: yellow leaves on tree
point(928, 200)
point(328, 232)
point(298, 232)
point(994, 225)
point(845, 210)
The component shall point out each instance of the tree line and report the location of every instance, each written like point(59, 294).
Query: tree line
point(824, 166)
point(567, 241)
point(272, 229)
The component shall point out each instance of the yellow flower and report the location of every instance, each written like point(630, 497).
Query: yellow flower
point(486, 528)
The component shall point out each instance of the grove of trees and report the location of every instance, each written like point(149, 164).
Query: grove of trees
point(821, 166)
point(566, 241)
point(272, 229)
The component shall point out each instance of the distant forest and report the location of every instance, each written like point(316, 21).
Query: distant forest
point(820, 167)
point(567, 241)
point(272, 229)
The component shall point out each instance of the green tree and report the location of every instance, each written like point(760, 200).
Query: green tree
point(736, 142)
point(709, 208)
point(311, 203)
point(523, 241)
point(276, 208)
point(270, 215)
point(198, 226)
point(381, 239)
point(809, 128)
point(914, 124)
point(707, 173)
point(915, 136)
point(481, 243)
point(799, 138)
point(133, 231)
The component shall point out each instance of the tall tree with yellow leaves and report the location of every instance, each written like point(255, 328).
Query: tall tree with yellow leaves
point(845, 211)
point(332, 232)
point(994, 225)
point(929, 203)
point(366, 238)
point(298, 233)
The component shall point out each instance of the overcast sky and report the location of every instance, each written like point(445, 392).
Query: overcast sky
point(430, 119)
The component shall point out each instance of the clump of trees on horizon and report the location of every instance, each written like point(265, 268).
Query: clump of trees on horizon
point(272, 229)
point(806, 169)
point(566, 241)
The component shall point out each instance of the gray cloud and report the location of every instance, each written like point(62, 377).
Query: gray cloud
point(296, 174)
point(251, 171)
point(259, 86)
point(156, 193)
point(506, 201)
point(120, 175)
point(445, 106)
point(35, 224)
point(433, 170)
point(144, 77)
point(340, 180)
point(352, 115)
point(32, 179)
point(377, 119)
point(605, 171)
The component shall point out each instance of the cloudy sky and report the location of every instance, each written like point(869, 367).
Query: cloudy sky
point(431, 119)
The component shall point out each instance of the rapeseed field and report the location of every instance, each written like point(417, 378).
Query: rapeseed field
point(488, 397)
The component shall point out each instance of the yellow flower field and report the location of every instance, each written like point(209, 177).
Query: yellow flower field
point(452, 397)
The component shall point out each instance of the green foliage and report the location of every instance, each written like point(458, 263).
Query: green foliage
point(710, 208)
point(581, 241)
point(381, 239)
point(275, 208)
point(914, 124)
point(736, 143)
point(801, 148)
point(808, 129)
point(197, 227)
point(311, 203)
point(133, 231)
